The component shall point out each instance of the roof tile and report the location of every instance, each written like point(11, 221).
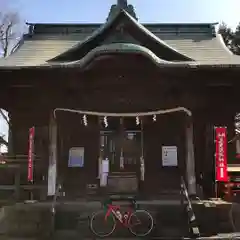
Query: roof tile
point(203, 48)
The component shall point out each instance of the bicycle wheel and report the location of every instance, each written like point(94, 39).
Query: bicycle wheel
point(140, 223)
point(102, 226)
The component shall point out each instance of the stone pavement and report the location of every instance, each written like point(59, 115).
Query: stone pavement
point(219, 237)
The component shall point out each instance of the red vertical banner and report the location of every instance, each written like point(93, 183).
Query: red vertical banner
point(31, 153)
point(221, 154)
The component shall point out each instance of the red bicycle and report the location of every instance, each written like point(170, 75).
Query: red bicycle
point(139, 222)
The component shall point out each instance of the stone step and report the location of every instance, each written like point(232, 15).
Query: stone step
point(174, 223)
point(35, 220)
point(119, 233)
point(216, 237)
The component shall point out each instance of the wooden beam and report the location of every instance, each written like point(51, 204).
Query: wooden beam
point(190, 158)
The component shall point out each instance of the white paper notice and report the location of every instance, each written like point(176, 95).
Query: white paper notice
point(169, 156)
point(105, 166)
point(103, 180)
point(52, 175)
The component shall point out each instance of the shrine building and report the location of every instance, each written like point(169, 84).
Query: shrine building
point(143, 97)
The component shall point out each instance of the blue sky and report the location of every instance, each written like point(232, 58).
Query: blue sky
point(95, 11)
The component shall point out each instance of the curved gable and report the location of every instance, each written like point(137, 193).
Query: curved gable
point(122, 24)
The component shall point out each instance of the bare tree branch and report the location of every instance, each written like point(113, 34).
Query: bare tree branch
point(3, 141)
point(4, 117)
point(8, 30)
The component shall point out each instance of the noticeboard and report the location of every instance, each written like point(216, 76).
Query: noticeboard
point(76, 157)
point(169, 156)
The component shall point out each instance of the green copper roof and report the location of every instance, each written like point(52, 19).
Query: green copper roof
point(192, 45)
point(117, 48)
point(138, 31)
point(123, 48)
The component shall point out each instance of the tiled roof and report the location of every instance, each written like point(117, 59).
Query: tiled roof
point(207, 49)
point(125, 24)
point(203, 49)
point(35, 52)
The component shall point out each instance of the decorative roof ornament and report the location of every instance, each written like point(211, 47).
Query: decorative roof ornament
point(121, 4)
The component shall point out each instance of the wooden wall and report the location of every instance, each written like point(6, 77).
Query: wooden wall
point(169, 130)
point(73, 133)
point(117, 90)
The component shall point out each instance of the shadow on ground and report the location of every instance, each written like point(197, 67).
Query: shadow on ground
point(72, 220)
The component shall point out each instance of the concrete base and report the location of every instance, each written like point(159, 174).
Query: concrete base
point(72, 219)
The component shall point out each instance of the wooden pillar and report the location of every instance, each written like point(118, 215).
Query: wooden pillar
point(231, 148)
point(52, 168)
point(190, 159)
point(17, 182)
point(19, 132)
point(121, 143)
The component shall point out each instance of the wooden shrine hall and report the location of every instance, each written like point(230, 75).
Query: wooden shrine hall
point(132, 103)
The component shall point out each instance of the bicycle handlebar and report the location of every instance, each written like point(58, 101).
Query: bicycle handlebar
point(130, 199)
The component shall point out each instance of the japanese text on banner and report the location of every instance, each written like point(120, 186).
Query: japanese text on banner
point(221, 154)
point(31, 153)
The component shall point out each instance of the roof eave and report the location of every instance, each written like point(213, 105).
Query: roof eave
point(179, 65)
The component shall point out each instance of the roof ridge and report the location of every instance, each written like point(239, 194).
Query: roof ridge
point(43, 28)
point(87, 46)
point(143, 23)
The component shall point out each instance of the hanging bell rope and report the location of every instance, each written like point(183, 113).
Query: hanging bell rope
point(139, 114)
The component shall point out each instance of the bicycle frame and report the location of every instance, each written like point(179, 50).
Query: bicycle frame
point(112, 209)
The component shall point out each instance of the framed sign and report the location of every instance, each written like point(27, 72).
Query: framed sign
point(169, 156)
point(76, 157)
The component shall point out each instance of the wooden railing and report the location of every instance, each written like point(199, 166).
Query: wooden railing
point(193, 226)
point(13, 178)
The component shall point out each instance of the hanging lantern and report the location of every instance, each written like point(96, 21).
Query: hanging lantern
point(154, 117)
point(105, 122)
point(137, 120)
point(85, 120)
